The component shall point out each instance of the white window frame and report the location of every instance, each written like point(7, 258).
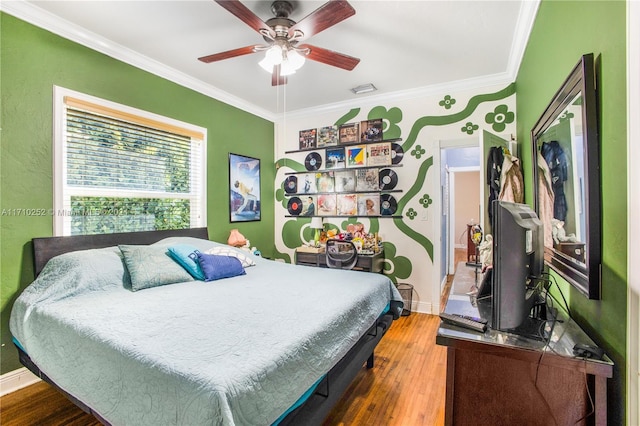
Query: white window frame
point(61, 195)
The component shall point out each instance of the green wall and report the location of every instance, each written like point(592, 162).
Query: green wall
point(32, 62)
point(563, 31)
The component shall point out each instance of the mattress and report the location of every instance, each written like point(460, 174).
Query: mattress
point(237, 351)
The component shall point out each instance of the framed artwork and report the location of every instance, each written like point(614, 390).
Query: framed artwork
point(244, 188)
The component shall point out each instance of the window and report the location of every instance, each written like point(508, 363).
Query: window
point(119, 169)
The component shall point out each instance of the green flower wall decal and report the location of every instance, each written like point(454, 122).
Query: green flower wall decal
point(418, 152)
point(411, 213)
point(447, 102)
point(395, 266)
point(499, 118)
point(426, 201)
point(391, 118)
point(565, 116)
point(469, 128)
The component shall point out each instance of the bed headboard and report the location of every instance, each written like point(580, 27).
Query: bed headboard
point(46, 248)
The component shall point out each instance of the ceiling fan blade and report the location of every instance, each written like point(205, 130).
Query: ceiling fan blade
point(330, 57)
point(276, 78)
point(228, 54)
point(244, 14)
point(325, 16)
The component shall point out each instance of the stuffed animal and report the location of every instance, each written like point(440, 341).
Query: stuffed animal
point(560, 234)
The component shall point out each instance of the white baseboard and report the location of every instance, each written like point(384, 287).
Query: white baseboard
point(16, 379)
point(460, 246)
point(421, 307)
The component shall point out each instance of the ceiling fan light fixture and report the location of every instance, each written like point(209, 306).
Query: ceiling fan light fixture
point(364, 88)
point(272, 57)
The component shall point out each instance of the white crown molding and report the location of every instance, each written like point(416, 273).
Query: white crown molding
point(43, 19)
point(526, 19)
point(403, 95)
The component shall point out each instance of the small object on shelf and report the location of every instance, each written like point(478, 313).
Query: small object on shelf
point(313, 161)
point(294, 206)
point(325, 182)
point(369, 204)
point(396, 153)
point(291, 184)
point(356, 156)
point(316, 223)
point(371, 130)
point(367, 180)
point(309, 249)
point(388, 205)
point(345, 180)
point(327, 205)
point(349, 133)
point(379, 154)
point(308, 139)
point(327, 136)
point(387, 179)
point(334, 158)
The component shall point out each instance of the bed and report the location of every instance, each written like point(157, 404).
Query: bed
point(278, 344)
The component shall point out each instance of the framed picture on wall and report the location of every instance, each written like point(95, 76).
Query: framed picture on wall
point(244, 188)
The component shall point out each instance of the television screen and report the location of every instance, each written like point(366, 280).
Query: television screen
point(518, 256)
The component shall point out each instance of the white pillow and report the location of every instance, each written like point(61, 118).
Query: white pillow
point(228, 251)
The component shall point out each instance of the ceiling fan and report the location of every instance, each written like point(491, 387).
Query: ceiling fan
point(283, 53)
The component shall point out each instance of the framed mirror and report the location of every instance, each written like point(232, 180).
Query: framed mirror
point(566, 161)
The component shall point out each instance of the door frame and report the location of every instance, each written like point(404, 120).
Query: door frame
point(452, 211)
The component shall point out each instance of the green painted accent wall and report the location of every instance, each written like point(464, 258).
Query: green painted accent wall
point(32, 62)
point(562, 32)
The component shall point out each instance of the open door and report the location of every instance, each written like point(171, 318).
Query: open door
point(487, 141)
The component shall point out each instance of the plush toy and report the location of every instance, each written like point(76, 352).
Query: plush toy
point(560, 234)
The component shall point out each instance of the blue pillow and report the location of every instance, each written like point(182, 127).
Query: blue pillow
point(187, 257)
point(217, 267)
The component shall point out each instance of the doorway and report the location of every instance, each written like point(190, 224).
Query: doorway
point(461, 198)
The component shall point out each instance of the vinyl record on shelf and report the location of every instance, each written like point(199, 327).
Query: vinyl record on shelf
point(388, 205)
point(388, 179)
point(313, 161)
point(291, 185)
point(294, 206)
point(396, 153)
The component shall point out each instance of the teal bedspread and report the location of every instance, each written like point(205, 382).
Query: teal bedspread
point(238, 351)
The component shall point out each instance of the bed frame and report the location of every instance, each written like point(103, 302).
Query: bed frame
point(312, 412)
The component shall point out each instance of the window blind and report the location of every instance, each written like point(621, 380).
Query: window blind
point(125, 172)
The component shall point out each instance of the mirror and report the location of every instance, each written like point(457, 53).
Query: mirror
point(566, 172)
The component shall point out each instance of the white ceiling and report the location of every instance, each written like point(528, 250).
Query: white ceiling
point(405, 47)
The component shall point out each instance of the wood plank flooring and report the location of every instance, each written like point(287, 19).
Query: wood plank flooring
point(406, 387)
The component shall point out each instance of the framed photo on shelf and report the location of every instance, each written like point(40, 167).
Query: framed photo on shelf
point(327, 205)
point(356, 156)
point(345, 180)
point(244, 188)
point(379, 154)
point(371, 130)
point(325, 182)
point(308, 138)
point(334, 158)
point(349, 133)
point(347, 205)
point(368, 204)
point(307, 183)
point(367, 180)
point(308, 205)
point(327, 136)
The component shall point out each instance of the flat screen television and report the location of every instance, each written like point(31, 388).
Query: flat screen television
point(518, 257)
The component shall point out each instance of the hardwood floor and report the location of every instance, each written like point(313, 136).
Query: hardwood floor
point(405, 387)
